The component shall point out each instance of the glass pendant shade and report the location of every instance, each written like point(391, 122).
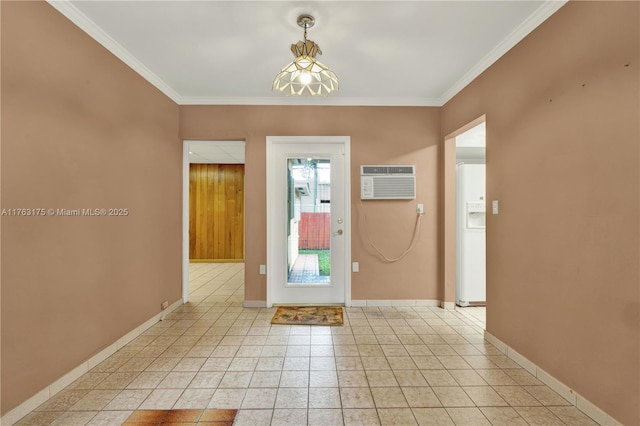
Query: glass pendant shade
point(306, 76)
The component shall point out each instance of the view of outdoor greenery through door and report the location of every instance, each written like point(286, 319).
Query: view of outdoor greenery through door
point(309, 221)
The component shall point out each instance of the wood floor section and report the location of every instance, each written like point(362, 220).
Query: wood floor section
point(182, 417)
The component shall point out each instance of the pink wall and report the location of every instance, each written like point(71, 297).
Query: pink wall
point(80, 130)
point(379, 135)
point(562, 112)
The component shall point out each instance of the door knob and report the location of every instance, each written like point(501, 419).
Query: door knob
point(338, 232)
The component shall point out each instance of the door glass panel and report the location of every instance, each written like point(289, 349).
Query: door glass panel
point(309, 222)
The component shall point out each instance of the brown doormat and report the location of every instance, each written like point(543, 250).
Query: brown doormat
point(308, 315)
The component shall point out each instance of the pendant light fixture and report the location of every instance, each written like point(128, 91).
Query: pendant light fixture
point(306, 76)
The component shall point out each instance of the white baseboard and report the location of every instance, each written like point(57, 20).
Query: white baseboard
point(254, 304)
point(395, 302)
point(563, 390)
point(48, 392)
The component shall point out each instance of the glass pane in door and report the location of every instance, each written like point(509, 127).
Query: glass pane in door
point(309, 222)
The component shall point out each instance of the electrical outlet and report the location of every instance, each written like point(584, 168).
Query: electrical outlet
point(495, 207)
point(355, 267)
point(263, 269)
point(420, 209)
point(164, 305)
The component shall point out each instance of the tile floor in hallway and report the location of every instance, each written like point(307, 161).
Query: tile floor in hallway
point(386, 365)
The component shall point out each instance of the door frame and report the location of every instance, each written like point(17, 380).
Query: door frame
point(345, 142)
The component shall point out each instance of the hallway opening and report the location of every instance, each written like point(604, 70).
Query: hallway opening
point(213, 210)
point(465, 210)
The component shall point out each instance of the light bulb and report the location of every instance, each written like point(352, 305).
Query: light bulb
point(305, 78)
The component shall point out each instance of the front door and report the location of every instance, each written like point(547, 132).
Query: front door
point(308, 220)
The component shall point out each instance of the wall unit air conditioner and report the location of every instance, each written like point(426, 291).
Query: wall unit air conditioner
point(301, 188)
point(387, 182)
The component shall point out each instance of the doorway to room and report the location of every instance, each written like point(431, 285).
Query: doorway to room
point(465, 221)
point(308, 220)
point(213, 217)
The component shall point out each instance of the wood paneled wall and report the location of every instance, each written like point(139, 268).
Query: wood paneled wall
point(216, 212)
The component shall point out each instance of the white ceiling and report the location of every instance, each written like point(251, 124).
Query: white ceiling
point(216, 152)
point(384, 52)
point(471, 145)
point(474, 137)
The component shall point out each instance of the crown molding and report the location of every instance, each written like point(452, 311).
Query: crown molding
point(81, 20)
point(317, 101)
point(541, 14)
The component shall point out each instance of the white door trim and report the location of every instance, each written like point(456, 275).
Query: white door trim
point(345, 141)
point(185, 221)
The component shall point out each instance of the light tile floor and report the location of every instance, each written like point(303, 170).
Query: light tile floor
point(389, 366)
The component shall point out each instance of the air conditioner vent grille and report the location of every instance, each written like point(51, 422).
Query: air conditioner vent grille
point(401, 170)
point(374, 170)
point(394, 188)
point(387, 182)
point(388, 170)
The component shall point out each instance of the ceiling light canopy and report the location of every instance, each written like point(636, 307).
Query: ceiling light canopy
point(306, 76)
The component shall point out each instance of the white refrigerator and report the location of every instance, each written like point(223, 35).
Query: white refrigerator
point(470, 247)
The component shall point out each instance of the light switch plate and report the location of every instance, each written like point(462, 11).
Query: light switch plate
point(494, 205)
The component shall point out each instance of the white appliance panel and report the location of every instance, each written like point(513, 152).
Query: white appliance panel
point(471, 241)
